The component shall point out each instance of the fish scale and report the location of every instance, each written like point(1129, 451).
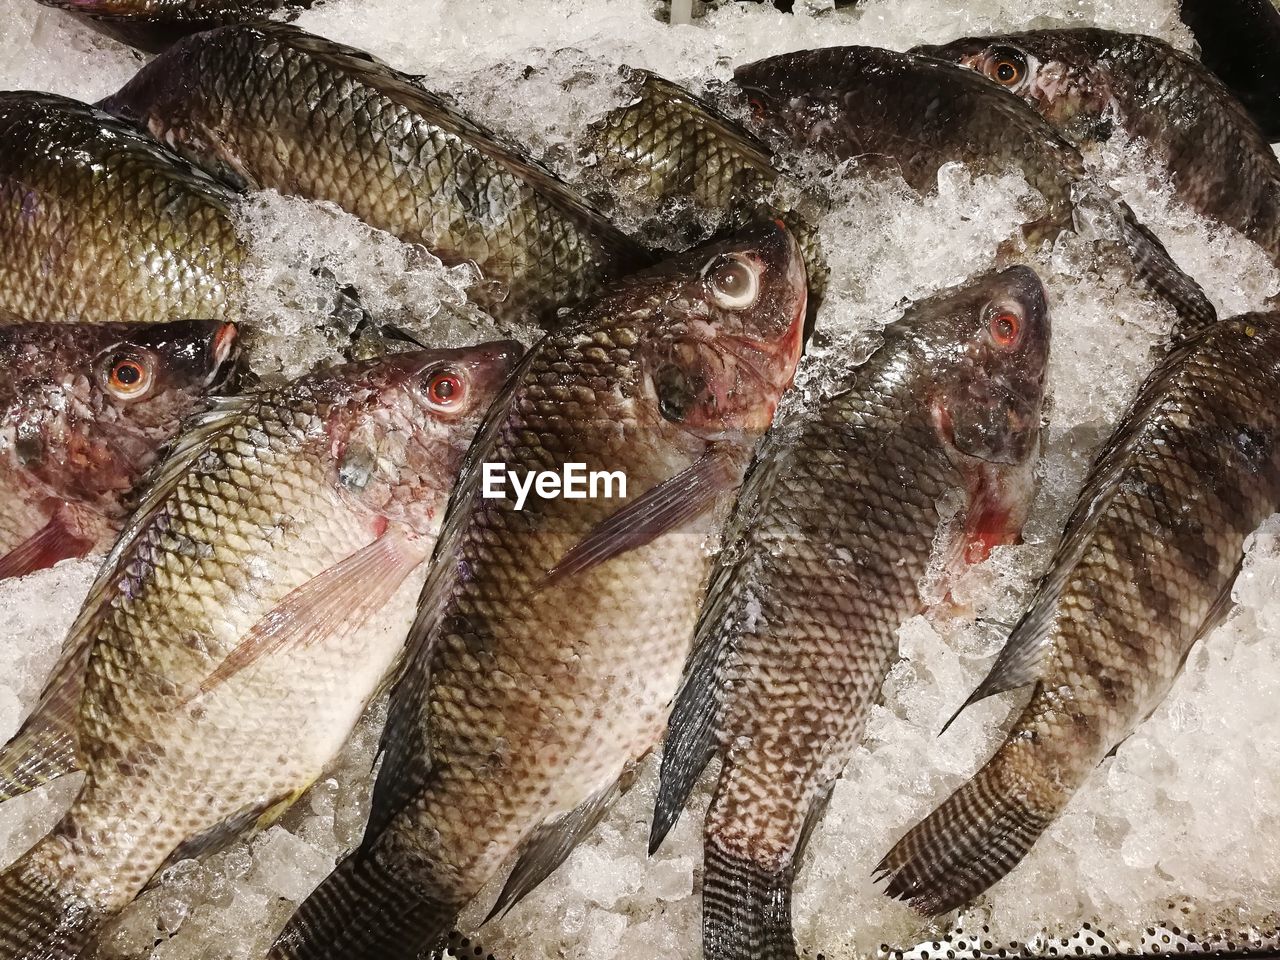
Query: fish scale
point(100, 224)
point(537, 681)
point(273, 106)
point(1084, 80)
point(845, 499)
point(203, 686)
point(72, 446)
point(1144, 569)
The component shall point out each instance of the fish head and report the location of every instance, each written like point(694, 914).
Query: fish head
point(1049, 69)
point(402, 424)
point(166, 98)
point(153, 376)
point(728, 332)
point(988, 354)
point(95, 403)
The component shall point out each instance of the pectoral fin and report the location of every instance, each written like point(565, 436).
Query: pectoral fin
point(550, 844)
point(668, 506)
point(51, 544)
point(342, 597)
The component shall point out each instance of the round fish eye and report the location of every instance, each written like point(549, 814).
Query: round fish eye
point(445, 390)
point(734, 283)
point(1005, 328)
point(129, 377)
point(1008, 67)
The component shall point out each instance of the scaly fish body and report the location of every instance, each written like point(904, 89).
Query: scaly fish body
point(1086, 81)
point(1144, 569)
point(551, 638)
point(240, 626)
point(273, 106)
point(83, 413)
point(895, 113)
point(674, 149)
point(100, 224)
point(844, 499)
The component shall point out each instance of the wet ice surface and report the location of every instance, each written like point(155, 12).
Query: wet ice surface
point(1184, 815)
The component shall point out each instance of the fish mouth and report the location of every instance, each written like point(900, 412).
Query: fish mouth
point(224, 353)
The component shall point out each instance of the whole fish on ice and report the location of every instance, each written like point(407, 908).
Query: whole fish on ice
point(271, 106)
point(844, 500)
point(908, 115)
point(252, 607)
point(1144, 569)
point(550, 638)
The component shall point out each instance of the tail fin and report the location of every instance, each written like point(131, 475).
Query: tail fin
point(364, 912)
point(1154, 266)
point(746, 911)
point(972, 840)
point(40, 919)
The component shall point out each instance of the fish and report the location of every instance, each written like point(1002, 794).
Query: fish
point(550, 638)
point(271, 106)
point(1143, 570)
point(844, 498)
point(904, 114)
point(84, 413)
point(255, 602)
point(689, 160)
point(1089, 82)
point(1240, 41)
point(100, 224)
point(153, 25)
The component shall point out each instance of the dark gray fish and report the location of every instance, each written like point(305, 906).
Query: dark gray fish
point(907, 114)
point(1240, 42)
point(84, 412)
point(1087, 82)
point(271, 106)
point(1143, 570)
point(99, 223)
point(834, 532)
point(152, 25)
point(552, 631)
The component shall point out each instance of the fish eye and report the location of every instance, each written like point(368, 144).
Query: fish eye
point(129, 377)
point(734, 284)
point(1005, 328)
point(1007, 67)
point(445, 390)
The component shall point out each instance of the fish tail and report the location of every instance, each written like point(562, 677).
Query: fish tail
point(746, 908)
point(1161, 274)
point(363, 911)
point(975, 837)
point(41, 915)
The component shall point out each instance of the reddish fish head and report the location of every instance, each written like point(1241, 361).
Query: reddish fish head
point(91, 405)
point(723, 343)
point(1054, 71)
point(401, 425)
point(987, 360)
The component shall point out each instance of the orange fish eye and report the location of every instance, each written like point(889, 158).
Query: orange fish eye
point(445, 389)
point(1005, 328)
point(129, 378)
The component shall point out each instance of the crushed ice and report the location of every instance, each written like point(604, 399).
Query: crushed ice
point(1183, 815)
